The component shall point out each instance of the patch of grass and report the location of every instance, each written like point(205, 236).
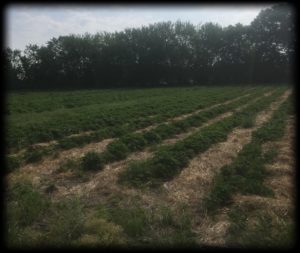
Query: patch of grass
point(258, 229)
point(65, 221)
point(133, 220)
point(270, 154)
point(148, 227)
point(100, 233)
point(68, 164)
point(92, 161)
point(34, 155)
point(24, 207)
point(12, 163)
point(26, 204)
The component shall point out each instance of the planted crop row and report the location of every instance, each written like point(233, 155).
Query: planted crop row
point(28, 102)
point(169, 160)
point(23, 130)
point(122, 147)
point(247, 172)
point(163, 131)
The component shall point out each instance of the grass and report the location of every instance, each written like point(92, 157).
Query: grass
point(145, 227)
point(25, 203)
point(258, 229)
point(68, 164)
point(12, 162)
point(34, 221)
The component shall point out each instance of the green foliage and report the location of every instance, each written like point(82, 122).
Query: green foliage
point(157, 228)
point(100, 233)
point(270, 154)
point(133, 220)
point(69, 164)
point(34, 155)
point(66, 221)
point(274, 128)
point(258, 230)
point(12, 162)
point(26, 204)
point(92, 161)
point(168, 161)
point(139, 57)
point(247, 172)
point(117, 150)
point(152, 137)
point(110, 118)
point(134, 142)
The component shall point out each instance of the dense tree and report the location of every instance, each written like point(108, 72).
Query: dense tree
point(163, 53)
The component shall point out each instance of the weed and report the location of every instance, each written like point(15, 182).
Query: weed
point(92, 161)
point(65, 222)
point(258, 229)
point(34, 155)
point(68, 164)
point(12, 163)
point(26, 203)
point(100, 233)
point(270, 154)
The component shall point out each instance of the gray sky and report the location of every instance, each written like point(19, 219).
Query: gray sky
point(33, 24)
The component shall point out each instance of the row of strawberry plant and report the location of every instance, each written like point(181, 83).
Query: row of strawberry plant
point(169, 160)
point(28, 102)
point(24, 130)
point(122, 147)
point(247, 172)
point(34, 155)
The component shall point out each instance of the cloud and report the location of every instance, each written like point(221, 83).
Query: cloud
point(37, 24)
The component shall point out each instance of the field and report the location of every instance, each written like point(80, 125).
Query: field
point(157, 168)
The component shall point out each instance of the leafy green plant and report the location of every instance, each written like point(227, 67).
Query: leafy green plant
point(12, 163)
point(117, 150)
point(92, 161)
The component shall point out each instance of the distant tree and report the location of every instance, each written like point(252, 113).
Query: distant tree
point(13, 69)
point(272, 34)
point(163, 53)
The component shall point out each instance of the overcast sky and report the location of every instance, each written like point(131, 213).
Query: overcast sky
point(32, 24)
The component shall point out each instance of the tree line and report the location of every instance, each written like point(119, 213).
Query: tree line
point(161, 54)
